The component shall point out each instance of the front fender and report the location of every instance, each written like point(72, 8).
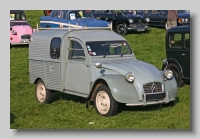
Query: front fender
point(170, 86)
point(121, 90)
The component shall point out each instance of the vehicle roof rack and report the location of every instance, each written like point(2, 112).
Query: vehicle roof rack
point(74, 28)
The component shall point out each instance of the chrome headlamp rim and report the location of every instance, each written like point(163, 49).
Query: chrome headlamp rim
point(130, 77)
point(168, 74)
point(130, 20)
point(147, 19)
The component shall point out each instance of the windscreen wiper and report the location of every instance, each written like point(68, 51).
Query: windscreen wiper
point(106, 54)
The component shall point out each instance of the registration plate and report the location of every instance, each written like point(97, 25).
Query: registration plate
point(140, 29)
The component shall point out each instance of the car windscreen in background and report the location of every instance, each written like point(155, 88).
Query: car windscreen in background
point(18, 23)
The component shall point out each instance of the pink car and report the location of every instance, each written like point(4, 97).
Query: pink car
point(20, 30)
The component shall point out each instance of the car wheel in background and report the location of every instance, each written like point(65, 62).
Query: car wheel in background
point(43, 95)
point(166, 26)
point(176, 74)
point(104, 102)
point(121, 29)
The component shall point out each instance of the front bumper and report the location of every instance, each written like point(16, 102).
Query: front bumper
point(144, 102)
point(22, 42)
point(138, 28)
point(183, 24)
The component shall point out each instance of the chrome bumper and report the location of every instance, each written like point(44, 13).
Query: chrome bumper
point(153, 102)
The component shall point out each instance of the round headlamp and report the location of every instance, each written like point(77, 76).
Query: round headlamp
point(168, 74)
point(130, 20)
point(14, 32)
point(130, 77)
point(147, 19)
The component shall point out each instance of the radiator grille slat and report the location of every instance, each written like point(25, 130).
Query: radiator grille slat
point(153, 87)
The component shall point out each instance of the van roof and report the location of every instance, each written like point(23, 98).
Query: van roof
point(83, 35)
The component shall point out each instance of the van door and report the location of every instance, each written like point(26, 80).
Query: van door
point(78, 75)
point(186, 55)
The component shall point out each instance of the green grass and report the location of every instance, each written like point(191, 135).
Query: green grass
point(70, 112)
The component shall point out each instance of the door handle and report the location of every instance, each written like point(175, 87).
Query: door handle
point(183, 54)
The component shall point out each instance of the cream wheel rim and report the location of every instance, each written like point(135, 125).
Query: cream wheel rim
point(41, 92)
point(102, 102)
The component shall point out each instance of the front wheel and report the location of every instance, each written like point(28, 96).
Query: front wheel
point(176, 73)
point(104, 103)
point(121, 29)
point(43, 95)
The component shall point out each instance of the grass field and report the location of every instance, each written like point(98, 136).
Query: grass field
point(69, 112)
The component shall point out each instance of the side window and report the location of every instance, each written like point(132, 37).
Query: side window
point(76, 51)
point(97, 11)
point(175, 40)
point(154, 11)
point(57, 13)
point(55, 48)
point(187, 40)
point(106, 11)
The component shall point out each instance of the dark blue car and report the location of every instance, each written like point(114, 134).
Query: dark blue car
point(158, 18)
point(76, 18)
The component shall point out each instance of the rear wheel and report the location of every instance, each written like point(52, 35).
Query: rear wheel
point(43, 95)
point(104, 103)
point(176, 73)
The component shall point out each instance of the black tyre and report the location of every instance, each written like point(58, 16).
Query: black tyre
point(104, 102)
point(121, 29)
point(176, 73)
point(166, 25)
point(43, 95)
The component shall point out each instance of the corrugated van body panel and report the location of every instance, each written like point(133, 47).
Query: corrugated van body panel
point(53, 79)
point(36, 70)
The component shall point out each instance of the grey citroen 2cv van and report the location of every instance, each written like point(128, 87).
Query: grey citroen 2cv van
point(96, 64)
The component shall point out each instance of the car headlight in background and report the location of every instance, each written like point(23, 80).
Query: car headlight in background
point(14, 32)
point(186, 19)
point(147, 19)
point(130, 20)
point(130, 77)
point(168, 74)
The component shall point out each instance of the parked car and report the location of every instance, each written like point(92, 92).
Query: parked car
point(158, 18)
point(20, 30)
point(178, 53)
point(96, 64)
point(122, 21)
point(76, 18)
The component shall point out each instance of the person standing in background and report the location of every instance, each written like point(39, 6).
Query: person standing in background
point(172, 18)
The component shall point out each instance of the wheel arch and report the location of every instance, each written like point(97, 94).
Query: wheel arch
point(120, 89)
point(174, 61)
point(36, 80)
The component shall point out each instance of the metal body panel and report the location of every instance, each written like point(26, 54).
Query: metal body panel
point(78, 77)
